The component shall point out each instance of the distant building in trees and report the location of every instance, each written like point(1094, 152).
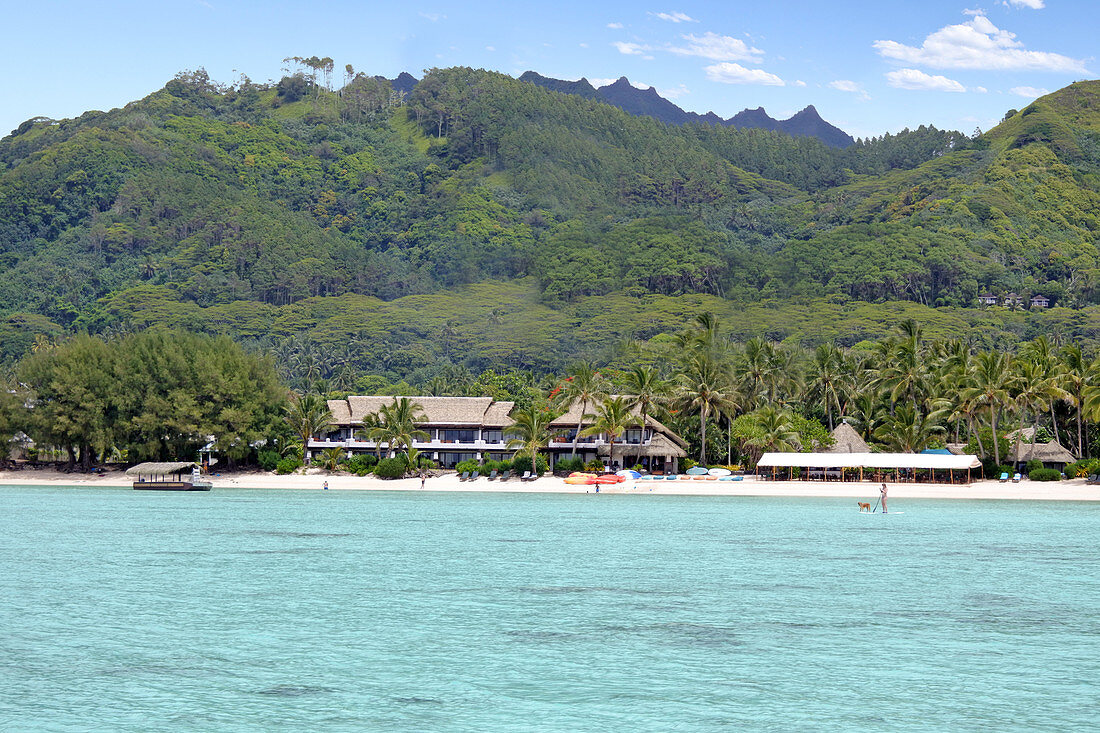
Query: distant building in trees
point(1012, 300)
point(987, 299)
point(1040, 301)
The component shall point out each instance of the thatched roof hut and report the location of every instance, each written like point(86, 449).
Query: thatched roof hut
point(1051, 454)
point(847, 440)
point(161, 469)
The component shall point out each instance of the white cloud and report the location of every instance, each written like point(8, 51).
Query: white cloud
point(675, 17)
point(977, 44)
point(979, 90)
point(675, 92)
point(630, 49)
point(604, 82)
point(615, 26)
point(798, 83)
point(850, 87)
point(915, 79)
point(490, 48)
point(728, 73)
point(1030, 92)
point(718, 48)
point(583, 45)
point(433, 17)
point(1033, 4)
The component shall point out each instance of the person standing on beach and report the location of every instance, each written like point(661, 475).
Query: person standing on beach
point(325, 487)
point(882, 497)
point(423, 478)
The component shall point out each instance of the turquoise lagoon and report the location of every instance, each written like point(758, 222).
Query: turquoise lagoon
point(296, 610)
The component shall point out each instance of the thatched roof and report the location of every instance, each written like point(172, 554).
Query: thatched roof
point(1027, 435)
point(439, 411)
point(847, 440)
point(572, 416)
point(661, 446)
point(160, 469)
point(1046, 452)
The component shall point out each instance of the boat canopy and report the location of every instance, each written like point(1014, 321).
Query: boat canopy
point(869, 460)
point(160, 469)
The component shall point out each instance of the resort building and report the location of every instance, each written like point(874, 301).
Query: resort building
point(987, 299)
point(1013, 300)
point(476, 428)
point(1040, 301)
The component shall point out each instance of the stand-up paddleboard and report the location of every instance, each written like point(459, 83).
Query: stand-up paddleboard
point(886, 513)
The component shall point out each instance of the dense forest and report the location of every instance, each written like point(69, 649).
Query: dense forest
point(480, 222)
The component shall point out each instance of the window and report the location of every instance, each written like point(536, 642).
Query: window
point(494, 436)
point(458, 436)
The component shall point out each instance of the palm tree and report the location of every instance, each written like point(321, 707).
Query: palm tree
point(584, 385)
point(308, 415)
point(532, 428)
point(613, 418)
point(771, 430)
point(648, 391)
point(828, 379)
point(397, 424)
point(704, 387)
point(1077, 373)
point(910, 430)
point(990, 382)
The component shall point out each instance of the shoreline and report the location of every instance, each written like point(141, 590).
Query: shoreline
point(1069, 490)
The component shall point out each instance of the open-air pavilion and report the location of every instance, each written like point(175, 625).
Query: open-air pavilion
point(928, 467)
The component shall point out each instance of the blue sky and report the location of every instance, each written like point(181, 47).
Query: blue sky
point(868, 67)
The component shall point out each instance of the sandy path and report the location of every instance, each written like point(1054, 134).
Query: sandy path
point(1074, 490)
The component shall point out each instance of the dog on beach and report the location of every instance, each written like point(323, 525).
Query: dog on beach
point(864, 506)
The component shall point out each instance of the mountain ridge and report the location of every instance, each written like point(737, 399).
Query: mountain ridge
point(622, 94)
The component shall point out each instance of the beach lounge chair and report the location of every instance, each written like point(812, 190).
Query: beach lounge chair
point(474, 475)
point(1016, 478)
point(504, 476)
point(737, 478)
point(493, 475)
point(670, 478)
point(1093, 479)
point(464, 475)
point(1004, 477)
point(526, 476)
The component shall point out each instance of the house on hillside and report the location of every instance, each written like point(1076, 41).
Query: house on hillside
point(476, 428)
point(1039, 301)
point(1012, 300)
point(987, 299)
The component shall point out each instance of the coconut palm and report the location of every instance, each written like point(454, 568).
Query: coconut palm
point(704, 387)
point(612, 418)
point(648, 391)
point(583, 386)
point(989, 389)
point(828, 379)
point(308, 415)
point(533, 430)
point(772, 430)
point(397, 424)
point(910, 430)
point(1077, 373)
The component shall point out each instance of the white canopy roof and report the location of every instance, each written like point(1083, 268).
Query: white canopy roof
point(869, 460)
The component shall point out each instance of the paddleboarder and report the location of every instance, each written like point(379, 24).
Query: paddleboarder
point(882, 497)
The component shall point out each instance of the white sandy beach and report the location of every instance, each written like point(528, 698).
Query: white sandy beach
point(1073, 490)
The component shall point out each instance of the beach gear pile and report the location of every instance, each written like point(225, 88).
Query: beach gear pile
point(593, 479)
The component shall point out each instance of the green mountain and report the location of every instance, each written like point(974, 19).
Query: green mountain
point(482, 221)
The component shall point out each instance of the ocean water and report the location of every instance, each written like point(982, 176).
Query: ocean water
point(287, 610)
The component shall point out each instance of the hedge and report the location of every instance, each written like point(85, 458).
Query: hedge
point(1045, 474)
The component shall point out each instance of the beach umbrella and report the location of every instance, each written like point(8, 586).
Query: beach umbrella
point(697, 471)
point(628, 474)
point(720, 472)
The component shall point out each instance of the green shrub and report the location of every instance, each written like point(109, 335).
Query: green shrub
point(290, 464)
point(594, 466)
point(390, 468)
point(686, 463)
point(522, 464)
point(268, 459)
point(1032, 465)
point(488, 466)
point(568, 465)
point(1045, 474)
point(361, 464)
point(464, 466)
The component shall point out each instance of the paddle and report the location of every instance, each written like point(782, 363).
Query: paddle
point(876, 505)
